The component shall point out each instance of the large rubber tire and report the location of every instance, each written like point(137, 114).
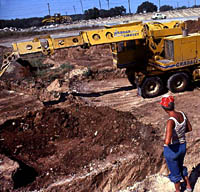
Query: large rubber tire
point(178, 82)
point(131, 77)
point(152, 87)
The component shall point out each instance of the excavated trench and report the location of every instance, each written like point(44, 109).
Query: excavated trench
point(24, 175)
point(79, 148)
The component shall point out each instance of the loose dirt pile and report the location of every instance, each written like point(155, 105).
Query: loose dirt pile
point(58, 143)
point(193, 26)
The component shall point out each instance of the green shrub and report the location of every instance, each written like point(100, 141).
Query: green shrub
point(88, 72)
point(37, 62)
point(41, 73)
point(67, 66)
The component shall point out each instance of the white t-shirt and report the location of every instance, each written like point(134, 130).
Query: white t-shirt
point(178, 134)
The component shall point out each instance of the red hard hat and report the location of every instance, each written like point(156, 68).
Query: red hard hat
point(166, 100)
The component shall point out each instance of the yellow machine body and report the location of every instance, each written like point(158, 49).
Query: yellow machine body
point(180, 52)
point(57, 18)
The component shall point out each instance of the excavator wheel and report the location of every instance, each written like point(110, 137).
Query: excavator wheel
point(152, 87)
point(178, 82)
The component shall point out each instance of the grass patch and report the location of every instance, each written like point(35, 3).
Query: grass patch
point(67, 66)
point(50, 74)
point(37, 62)
point(88, 72)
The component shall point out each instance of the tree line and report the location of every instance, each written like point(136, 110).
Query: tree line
point(96, 13)
point(88, 14)
point(147, 6)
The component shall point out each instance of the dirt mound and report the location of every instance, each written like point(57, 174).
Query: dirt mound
point(59, 142)
point(97, 55)
point(193, 26)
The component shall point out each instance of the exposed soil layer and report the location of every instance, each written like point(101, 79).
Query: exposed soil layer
point(60, 142)
point(193, 26)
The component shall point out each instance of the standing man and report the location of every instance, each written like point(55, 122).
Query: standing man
point(175, 143)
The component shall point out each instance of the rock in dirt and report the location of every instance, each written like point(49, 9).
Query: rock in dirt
point(79, 72)
point(58, 86)
point(7, 169)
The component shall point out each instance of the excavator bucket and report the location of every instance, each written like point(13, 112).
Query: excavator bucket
point(8, 58)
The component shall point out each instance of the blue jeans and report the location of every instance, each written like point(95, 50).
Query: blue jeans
point(174, 156)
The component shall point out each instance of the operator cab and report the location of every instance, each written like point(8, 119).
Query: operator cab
point(128, 53)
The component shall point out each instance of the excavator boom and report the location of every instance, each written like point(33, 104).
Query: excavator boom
point(47, 45)
point(148, 32)
point(112, 34)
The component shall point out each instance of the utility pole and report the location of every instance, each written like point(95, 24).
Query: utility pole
point(108, 4)
point(81, 5)
point(100, 4)
point(195, 3)
point(177, 4)
point(49, 8)
point(159, 5)
point(188, 4)
point(129, 5)
point(74, 9)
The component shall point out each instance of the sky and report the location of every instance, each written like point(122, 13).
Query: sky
point(12, 9)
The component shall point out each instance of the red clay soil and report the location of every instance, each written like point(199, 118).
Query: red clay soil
point(98, 59)
point(59, 142)
point(193, 26)
point(85, 57)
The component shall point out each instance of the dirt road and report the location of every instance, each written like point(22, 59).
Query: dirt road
point(115, 93)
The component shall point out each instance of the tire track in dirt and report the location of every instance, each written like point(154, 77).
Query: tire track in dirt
point(15, 104)
point(116, 93)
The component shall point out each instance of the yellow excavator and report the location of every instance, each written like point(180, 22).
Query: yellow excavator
point(57, 19)
point(156, 55)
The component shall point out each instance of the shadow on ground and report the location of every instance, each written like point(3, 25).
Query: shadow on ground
point(195, 174)
point(63, 96)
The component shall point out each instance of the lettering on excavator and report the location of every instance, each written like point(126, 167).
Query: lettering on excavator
point(125, 33)
point(186, 63)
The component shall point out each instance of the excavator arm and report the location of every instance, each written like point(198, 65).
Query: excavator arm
point(47, 45)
